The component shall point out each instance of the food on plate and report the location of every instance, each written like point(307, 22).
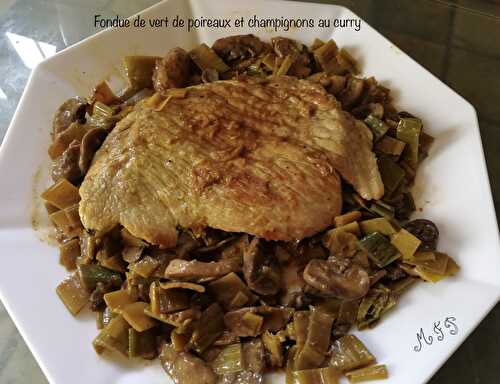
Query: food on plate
point(240, 208)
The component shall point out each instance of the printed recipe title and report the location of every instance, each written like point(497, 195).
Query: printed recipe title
point(275, 23)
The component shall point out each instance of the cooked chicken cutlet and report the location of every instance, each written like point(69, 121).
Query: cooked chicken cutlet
point(250, 155)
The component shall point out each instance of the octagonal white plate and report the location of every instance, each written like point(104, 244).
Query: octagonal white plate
point(452, 189)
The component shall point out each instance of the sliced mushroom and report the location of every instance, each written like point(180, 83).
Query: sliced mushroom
point(198, 271)
point(216, 246)
point(183, 285)
point(91, 142)
point(185, 368)
point(186, 243)
point(254, 356)
point(341, 244)
point(172, 71)
point(293, 286)
point(238, 47)
point(352, 92)
point(209, 74)
point(66, 165)
point(324, 275)
point(252, 321)
point(260, 269)
point(284, 47)
point(70, 111)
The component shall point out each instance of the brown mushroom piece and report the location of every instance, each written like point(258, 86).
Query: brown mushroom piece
point(209, 75)
point(253, 321)
point(329, 280)
point(341, 244)
point(293, 286)
point(260, 269)
point(284, 47)
point(199, 271)
point(66, 165)
point(238, 47)
point(172, 71)
point(352, 92)
point(185, 368)
point(70, 111)
point(91, 142)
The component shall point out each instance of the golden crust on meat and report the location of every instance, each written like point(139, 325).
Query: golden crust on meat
point(255, 156)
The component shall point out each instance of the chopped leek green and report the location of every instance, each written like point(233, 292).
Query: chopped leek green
point(392, 174)
point(377, 126)
point(374, 372)
point(229, 360)
point(351, 228)
point(349, 353)
point(167, 300)
point(68, 253)
point(107, 316)
point(102, 111)
point(408, 130)
point(114, 263)
point(428, 272)
point(347, 218)
point(272, 343)
point(253, 322)
point(73, 294)
point(346, 61)
point(103, 93)
point(145, 267)
point(113, 337)
point(289, 378)
point(208, 329)
point(231, 292)
point(347, 312)
point(300, 325)
point(61, 222)
point(135, 316)
point(379, 249)
point(382, 209)
point(269, 61)
point(285, 65)
point(406, 243)
point(390, 146)
point(325, 57)
point(316, 44)
point(139, 71)
point(88, 246)
point(314, 350)
point(327, 375)
point(378, 301)
point(62, 194)
point(141, 344)
point(379, 224)
point(437, 264)
point(91, 274)
point(206, 58)
point(117, 300)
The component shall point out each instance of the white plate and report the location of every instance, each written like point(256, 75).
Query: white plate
point(452, 188)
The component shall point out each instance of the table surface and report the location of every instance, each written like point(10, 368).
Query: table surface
point(458, 41)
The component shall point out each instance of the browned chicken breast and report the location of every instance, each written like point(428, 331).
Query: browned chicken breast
point(255, 156)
